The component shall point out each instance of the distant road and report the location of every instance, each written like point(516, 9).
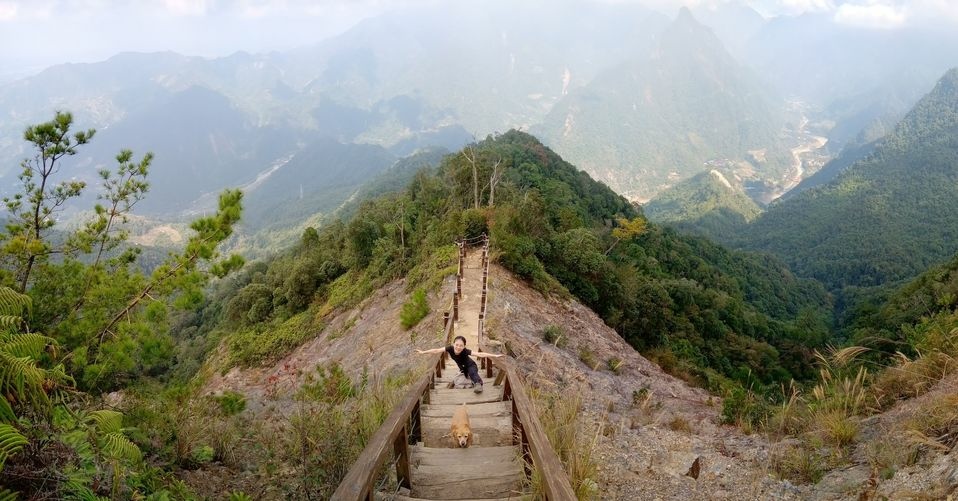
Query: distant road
point(797, 172)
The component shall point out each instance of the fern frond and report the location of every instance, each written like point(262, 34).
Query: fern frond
point(6, 411)
point(116, 445)
point(21, 377)
point(28, 344)
point(58, 374)
point(10, 321)
point(13, 303)
point(81, 492)
point(106, 421)
point(11, 441)
point(62, 384)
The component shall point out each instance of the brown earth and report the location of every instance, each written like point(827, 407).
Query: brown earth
point(649, 427)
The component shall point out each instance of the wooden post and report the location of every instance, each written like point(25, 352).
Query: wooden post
point(445, 320)
point(401, 448)
point(415, 423)
point(489, 365)
point(455, 307)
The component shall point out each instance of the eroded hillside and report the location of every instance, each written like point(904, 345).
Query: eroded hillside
point(648, 428)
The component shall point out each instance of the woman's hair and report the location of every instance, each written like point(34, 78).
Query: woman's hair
point(459, 337)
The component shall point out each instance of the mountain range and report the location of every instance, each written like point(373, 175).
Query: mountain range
point(886, 217)
point(639, 100)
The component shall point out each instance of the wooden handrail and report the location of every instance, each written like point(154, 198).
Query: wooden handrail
point(404, 422)
point(358, 482)
point(554, 477)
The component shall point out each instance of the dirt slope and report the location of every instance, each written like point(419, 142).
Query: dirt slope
point(631, 414)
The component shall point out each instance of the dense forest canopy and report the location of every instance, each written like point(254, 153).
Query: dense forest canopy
point(888, 217)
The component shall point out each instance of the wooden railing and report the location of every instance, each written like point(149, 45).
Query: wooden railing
point(528, 434)
point(403, 426)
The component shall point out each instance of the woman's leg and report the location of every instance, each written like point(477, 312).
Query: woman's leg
point(474, 374)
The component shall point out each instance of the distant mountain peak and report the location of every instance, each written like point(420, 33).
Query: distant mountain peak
point(950, 79)
point(934, 117)
point(685, 16)
point(687, 34)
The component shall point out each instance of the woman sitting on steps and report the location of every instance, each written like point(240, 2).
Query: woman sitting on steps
point(460, 354)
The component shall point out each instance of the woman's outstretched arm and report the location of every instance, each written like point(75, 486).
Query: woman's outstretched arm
point(430, 352)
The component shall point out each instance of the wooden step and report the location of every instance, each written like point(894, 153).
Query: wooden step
point(449, 376)
point(491, 424)
point(445, 396)
point(382, 496)
point(473, 473)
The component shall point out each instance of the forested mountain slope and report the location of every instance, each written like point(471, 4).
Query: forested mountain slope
point(887, 217)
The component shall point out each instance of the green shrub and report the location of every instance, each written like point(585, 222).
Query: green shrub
point(333, 386)
point(231, 403)
point(263, 343)
point(414, 310)
point(743, 408)
point(800, 464)
point(588, 358)
point(474, 223)
point(202, 454)
point(615, 365)
point(553, 334)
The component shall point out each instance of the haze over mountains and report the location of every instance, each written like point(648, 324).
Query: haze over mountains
point(887, 217)
point(645, 124)
point(638, 100)
point(763, 207)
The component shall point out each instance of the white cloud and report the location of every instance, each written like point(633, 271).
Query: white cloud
point(8, 11)
point(933, 10)
point(872, 14)
point(187, 7)
point(802, 6)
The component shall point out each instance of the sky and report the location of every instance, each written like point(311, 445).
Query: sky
point(35, 34)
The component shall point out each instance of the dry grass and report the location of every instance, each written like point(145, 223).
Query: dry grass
point(799, 463)
point(575, 444)
point(911, 378)
point(889, 453)
point(646, 408)
point(836, 428)
point(615, 365)
point(935, 424)
point(680, 425)
point(588, 358)
point(791, 416)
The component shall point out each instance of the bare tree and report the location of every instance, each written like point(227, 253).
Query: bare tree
point(494, 179)
point(470, 155)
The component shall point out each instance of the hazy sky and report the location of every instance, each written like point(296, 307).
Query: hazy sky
point(38, 33)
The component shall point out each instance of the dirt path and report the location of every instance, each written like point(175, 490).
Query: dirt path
point(470, 302)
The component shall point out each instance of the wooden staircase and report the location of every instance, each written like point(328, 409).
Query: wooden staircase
point(492, 468)
point(507, 438)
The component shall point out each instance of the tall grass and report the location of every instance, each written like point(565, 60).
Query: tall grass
point(333, 421)
point(575, 445)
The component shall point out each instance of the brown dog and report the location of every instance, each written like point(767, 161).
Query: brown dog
point(460, 431)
